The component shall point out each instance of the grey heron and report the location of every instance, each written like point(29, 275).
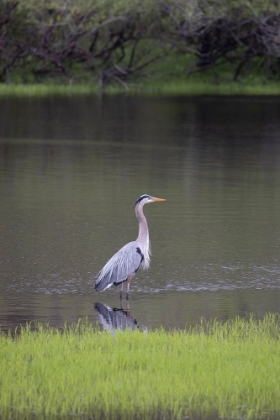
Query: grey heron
point(124, 264)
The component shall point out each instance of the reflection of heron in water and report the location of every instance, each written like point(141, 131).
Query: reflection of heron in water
point(124, 264)
point(113, 319)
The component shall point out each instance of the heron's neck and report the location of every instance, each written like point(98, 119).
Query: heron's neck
point(143, 235)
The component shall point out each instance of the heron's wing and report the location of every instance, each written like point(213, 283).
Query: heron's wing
point(123, 264)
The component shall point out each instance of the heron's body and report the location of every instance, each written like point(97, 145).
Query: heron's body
point(124, 264)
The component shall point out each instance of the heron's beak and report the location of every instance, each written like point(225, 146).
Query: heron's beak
point(159, 199)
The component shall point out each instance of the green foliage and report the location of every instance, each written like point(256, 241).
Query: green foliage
point(200, 85)
point(229, 369)
point(109, 41)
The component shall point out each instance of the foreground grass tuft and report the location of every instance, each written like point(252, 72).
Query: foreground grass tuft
point(230, 369)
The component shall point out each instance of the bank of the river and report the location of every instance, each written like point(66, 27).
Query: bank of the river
point(118, 41)
point(147, 88)
point(167, 78)
point(231, 370)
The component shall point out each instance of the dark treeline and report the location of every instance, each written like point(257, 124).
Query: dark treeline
point(115, 39)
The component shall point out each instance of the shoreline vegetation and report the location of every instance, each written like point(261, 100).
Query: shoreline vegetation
point(140, 46)
point(164, 89)
point(224, 370)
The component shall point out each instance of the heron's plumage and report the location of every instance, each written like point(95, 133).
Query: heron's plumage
point(122, 264)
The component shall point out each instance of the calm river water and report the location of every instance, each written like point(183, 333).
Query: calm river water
point(70, 172)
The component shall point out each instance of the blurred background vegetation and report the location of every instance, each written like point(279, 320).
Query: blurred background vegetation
point(124, 42)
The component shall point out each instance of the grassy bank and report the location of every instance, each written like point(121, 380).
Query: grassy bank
point(117, 41)
point(168, 77)
point(196, 88)
point(230, 370)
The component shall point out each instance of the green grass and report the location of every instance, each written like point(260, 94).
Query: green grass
point(230, 369)
point(155, 88)
point(203, 88)
point(195, 85)
point(167, 77)
point(45, 89)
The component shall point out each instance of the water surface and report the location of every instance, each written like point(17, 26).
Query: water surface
point(70, 172)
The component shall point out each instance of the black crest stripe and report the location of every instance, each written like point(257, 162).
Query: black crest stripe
point(141, 198)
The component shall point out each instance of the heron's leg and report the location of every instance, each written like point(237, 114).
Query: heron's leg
point(121, 291)
point(129, 278)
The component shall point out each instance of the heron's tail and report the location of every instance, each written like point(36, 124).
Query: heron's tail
point(103, 282)
point(99, 287)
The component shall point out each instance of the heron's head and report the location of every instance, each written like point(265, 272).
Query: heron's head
point(145, 198)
